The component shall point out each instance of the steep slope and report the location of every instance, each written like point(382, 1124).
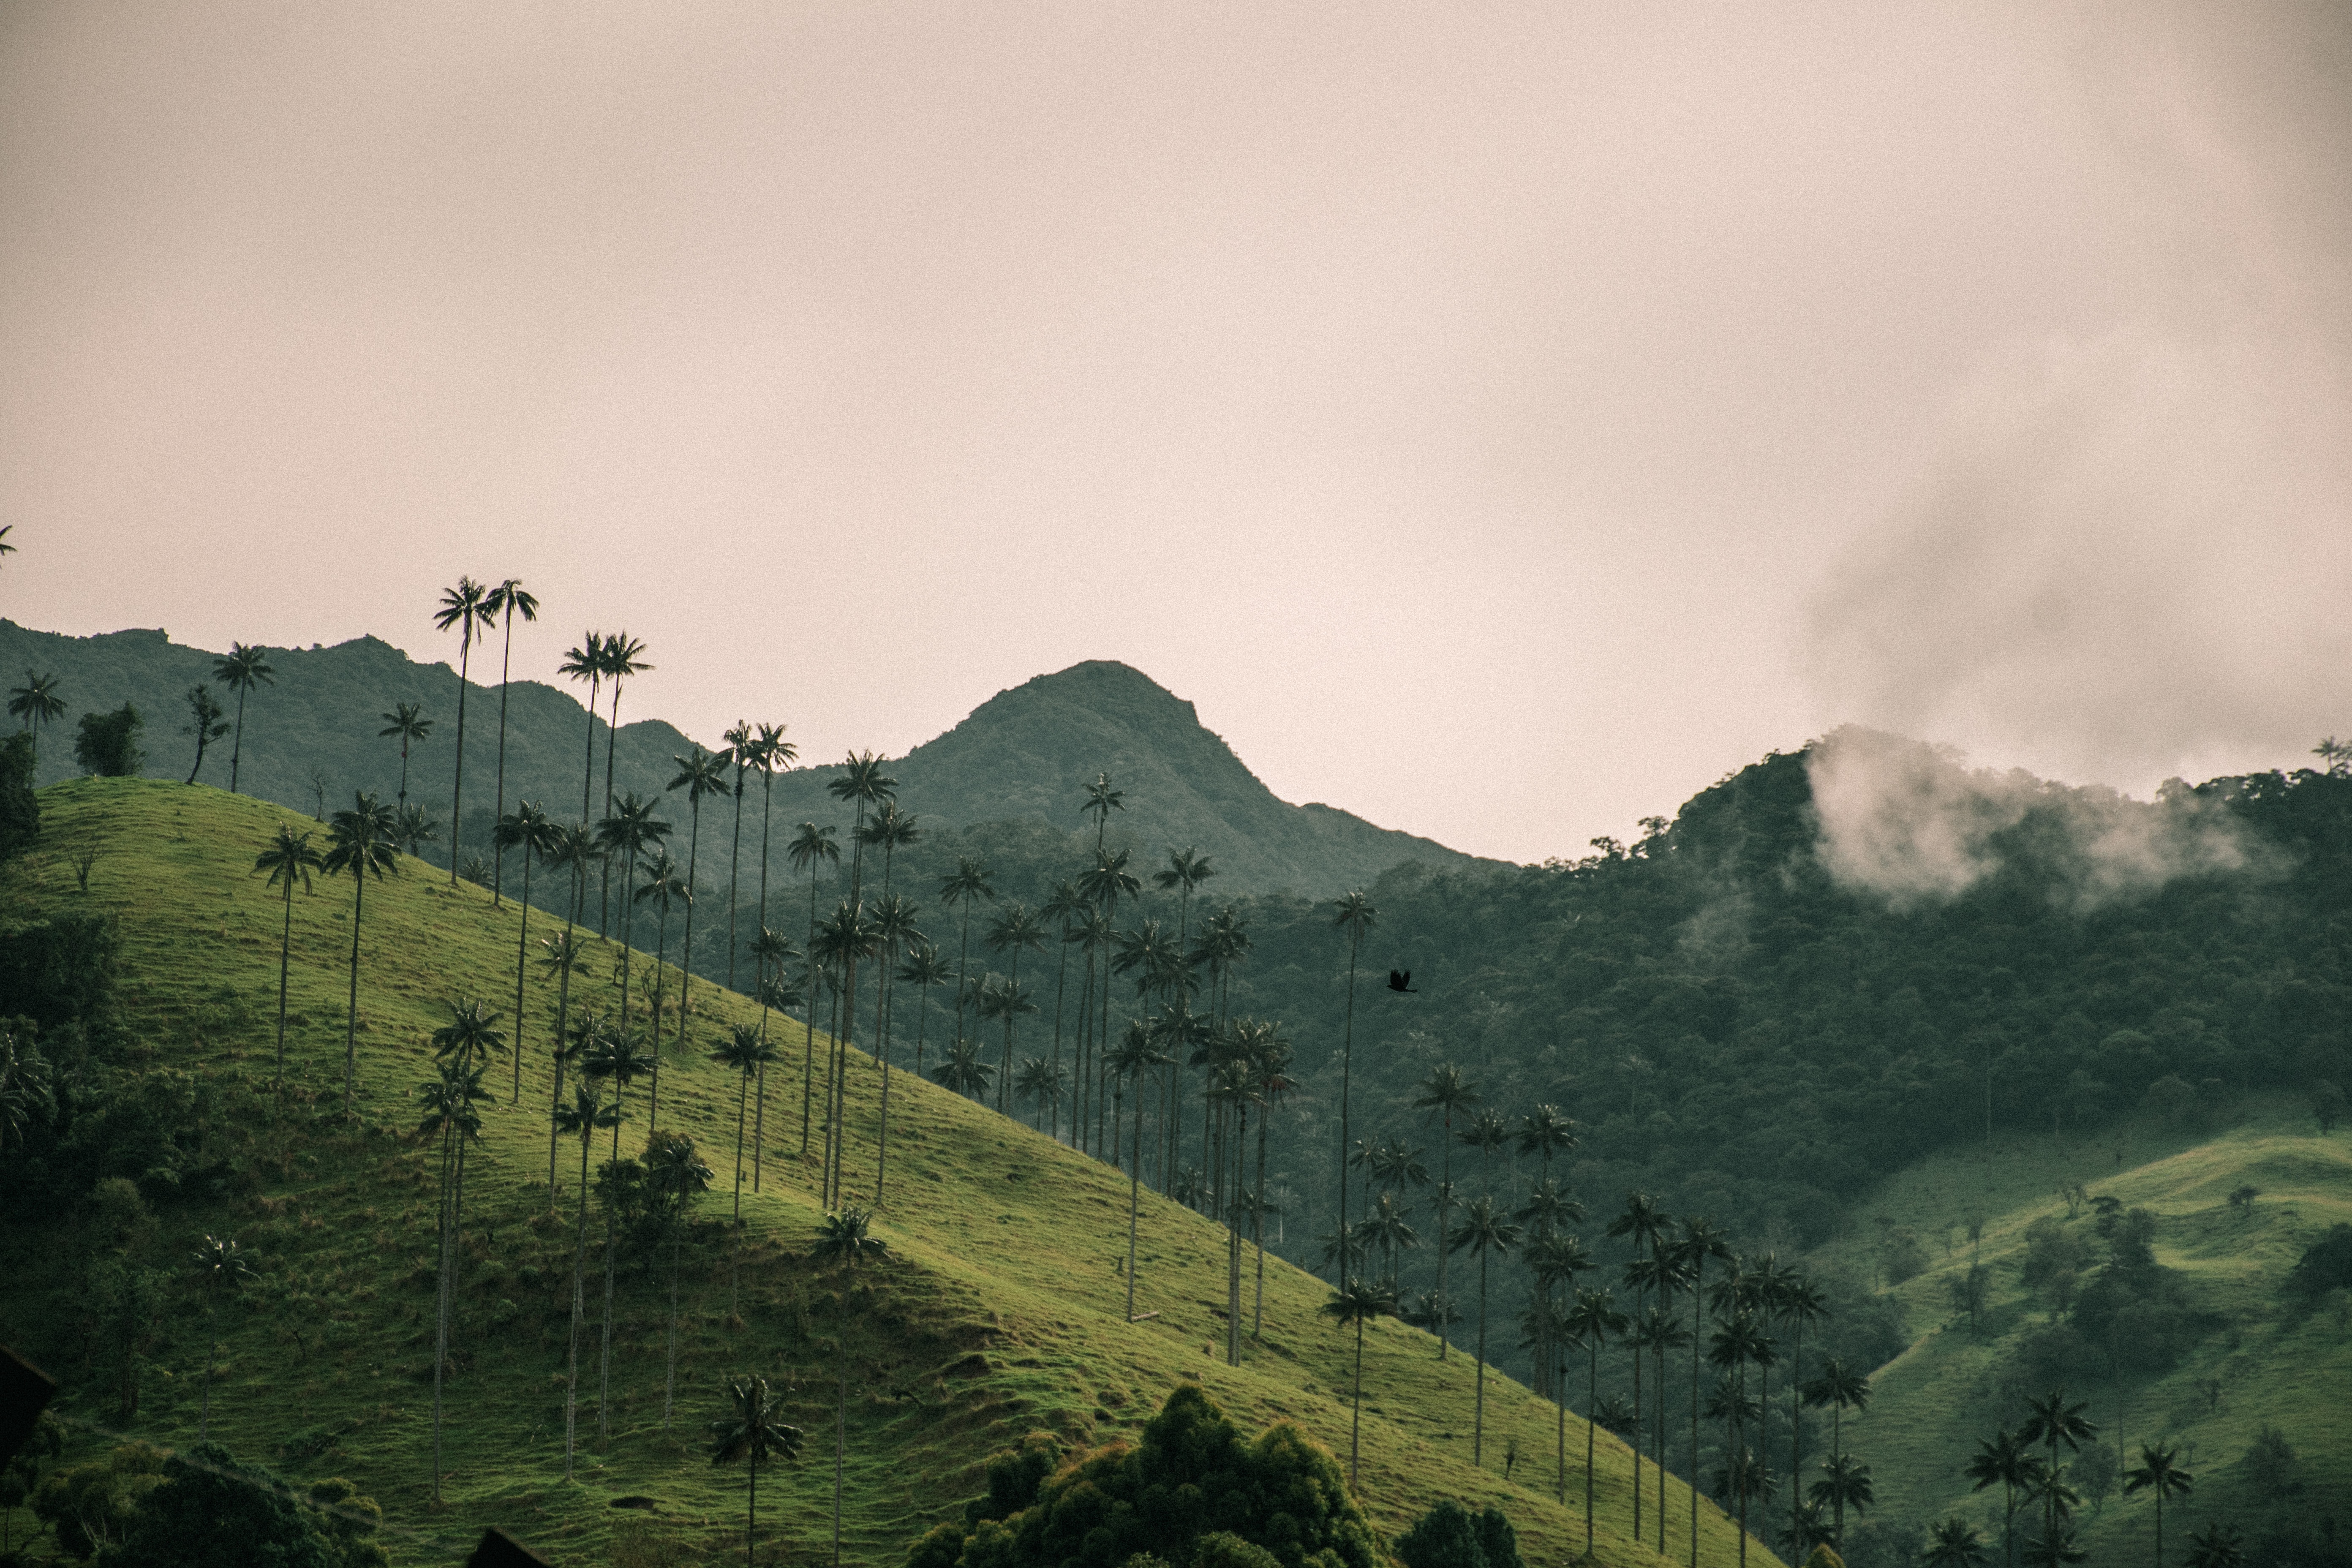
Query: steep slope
point(2251, 1356)
point(1001, 1308)
point(1024, 755)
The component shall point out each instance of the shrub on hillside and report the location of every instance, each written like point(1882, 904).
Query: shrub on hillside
point(20, 810)
point(2325, 1265)
point(1190, 1478)
point(1450, 1536)
point(106, 744)
point(58, 971)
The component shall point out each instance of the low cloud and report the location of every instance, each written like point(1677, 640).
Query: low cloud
point(1912, 823)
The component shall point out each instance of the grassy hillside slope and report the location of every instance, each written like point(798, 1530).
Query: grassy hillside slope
point(2257, 1360)
point(1001, 1311)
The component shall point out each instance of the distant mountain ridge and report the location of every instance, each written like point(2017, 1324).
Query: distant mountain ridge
point(1025, 755)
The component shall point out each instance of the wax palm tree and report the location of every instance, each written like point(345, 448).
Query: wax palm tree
point(1387, 1230)
point(359, 842)
point(673, 1174)
point(1353, 914)
point(894, 928)
point(1269, 1057)
point(1844, 1484)
point(1357, 1303)
point(1015, 932)
point(412, 827)
point(2215, 1546)
point(1738, 1343)
point(664, 890)
point(963, 1072)
point(526, 828)
point(811, 846)
point(1487, 1234)
point(1488, 1133)
point(1101, 801)
point(629, 831)
point(621, 656)
point(744, 750)
point(1556, 1260)
point(449, 1111)
point(2005, 1461)
point(2159, 1472)
point(206, 722)
point(288, 858)
point(862, 784)
point(568, 848)
point(220, 1269)
point(1186, 869)
point(845, 1240)
point(924, 969)
point(1800, 1302)
point(35, 703)
point(751, 1435)
point(966, 885)
point(586, 662)
point(845, 937)
point(2056, 1549)
point(616, 1056)
point(1042, 1085)
point(1955, 1543)
point(504, 603)
point(747, 1054)
point(1592, 1321)
point(771, 953)
point(407, 723)
point(1699, 1241)
point(1544, 1133)
point(581, 1119)
point(2051, 1420)
point(699, 774)
point(466, 608)
point(1446, 1092)
point(1092, 934)
point(775, 754)
point(241, 670)
point(1138, 1053)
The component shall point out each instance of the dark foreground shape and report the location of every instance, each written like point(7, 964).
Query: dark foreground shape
point(499, 1550)
point(24, 1393)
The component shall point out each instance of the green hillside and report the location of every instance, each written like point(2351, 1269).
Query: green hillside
point(1001, 1308)
point(2248, 1355)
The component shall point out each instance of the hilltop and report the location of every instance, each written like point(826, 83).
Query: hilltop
point(1001, 1311)
point(1025, 755)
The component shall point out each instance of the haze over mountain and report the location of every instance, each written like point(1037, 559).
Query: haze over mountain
point(1027, 753)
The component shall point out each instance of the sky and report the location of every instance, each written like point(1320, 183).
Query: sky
point(1501, 420)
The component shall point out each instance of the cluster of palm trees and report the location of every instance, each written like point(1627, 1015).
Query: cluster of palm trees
point(37, 704)
point(2029, 1479)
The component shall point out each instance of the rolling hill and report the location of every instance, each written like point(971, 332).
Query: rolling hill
point(1000, 1311)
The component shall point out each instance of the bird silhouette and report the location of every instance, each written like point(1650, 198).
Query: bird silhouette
point(1402, 980)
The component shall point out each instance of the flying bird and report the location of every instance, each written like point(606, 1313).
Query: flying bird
point(1402, 980)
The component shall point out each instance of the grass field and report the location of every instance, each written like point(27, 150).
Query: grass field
point(2260, 1362)
point(1001, 1308)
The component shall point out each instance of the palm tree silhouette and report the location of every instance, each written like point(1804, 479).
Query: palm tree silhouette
point(1955, 1543)
point(1186, 869)
point(923, 968)
point(1138, 1054)
point(1699, 1241)
point(663, 890)
point(1269, 1057)
point(1800, 1302)
point(1487, 1235)
point(771, 753)
point(290, 857)
point(968, 882)
point(747, 1054)
point(893, 926)
point(586, 662)
point(568, 848)
point(846, 937)
point(1556, 1259)
point(810, 844)
point(699, 774)
point(412, 829)
point(1107, 881)
point(241, 670)
point(1444, 1091)
point(963, 1072)
point(2000, 1460)
point(673, 1173)
point(1842, 1389)
point(1063, 905)
point(505, 601)
point(845, 1240)
point(1101, 801)
point(621, 656)
point(743, 749)
point(1738, 1344)
point(408, 722)
point(359, 842)
point(2159, 1471)
point(751, 1435)
point(220, 1268)
point(35, 703)
point(770, 951)
point(862, 783)
point(450, 1102)
point(1091, 933)
point(1016, 931)
point(2051, 1420)
point(205, 722)
point(1357, 1303)
point(1593, 1319)
point(581, 1120)
point(2215, 1546)
point(629, 831)
point(464, 607)
point(1354, 914)
point(526, 828)
point(1844, 1483)
point(1043, 1087)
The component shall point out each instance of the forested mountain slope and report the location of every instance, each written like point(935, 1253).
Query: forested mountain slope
point(1000, 1309)
point(1024, 755)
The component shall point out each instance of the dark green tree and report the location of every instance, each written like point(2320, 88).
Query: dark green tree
point(206, 722)
point(1444, 1093)
point(749, 1434)
point(581, 1119)
point(358, 844)
point(701, 775)
point(240, 671)
point(1592, 1323)
point(408, 722)
point(290, 858)
point(466, 608)
point(1353, 913)
point(675, 1173)
point(526, 828)
point(106, 744)
point(35, 704)
point(2158, 1473)
point(845, 1240)
point(502, 605)
point(1487, 1234)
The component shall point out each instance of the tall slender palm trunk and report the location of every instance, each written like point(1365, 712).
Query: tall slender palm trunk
point(734, 876)
point(1347, 1071)
point(236, 752)
point(612, 735)
point(498, 858)
point(351, 1012)
point(563, 1018)
point(686, 955)
point(1257, 1231)
point(760, 1123)
point(1479, 1423)
point(523, 949)
point(604, 1368)
point(457, 790)
point(285, 959)
point(1061, 977)
point(808, 1039)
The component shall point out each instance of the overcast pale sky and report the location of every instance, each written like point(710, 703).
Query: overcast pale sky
point(1501, 420)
